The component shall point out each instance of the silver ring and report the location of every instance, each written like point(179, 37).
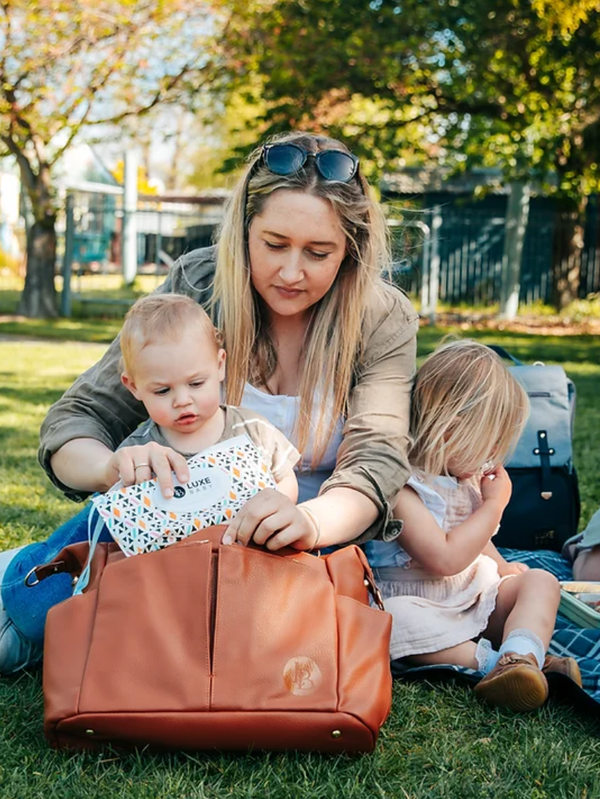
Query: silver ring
point(140, 466)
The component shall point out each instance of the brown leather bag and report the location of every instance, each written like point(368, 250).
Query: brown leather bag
point(202, 646)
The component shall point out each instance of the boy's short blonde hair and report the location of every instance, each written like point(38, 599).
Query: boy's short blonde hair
point(466, 408)
point(160, 317)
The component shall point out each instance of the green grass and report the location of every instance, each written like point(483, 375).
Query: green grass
point(87, 287)
point(438, 742)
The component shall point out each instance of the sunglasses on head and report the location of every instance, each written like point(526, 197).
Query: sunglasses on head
point(287, 159)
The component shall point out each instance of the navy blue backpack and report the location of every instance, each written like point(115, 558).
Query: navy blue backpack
point(544, 507)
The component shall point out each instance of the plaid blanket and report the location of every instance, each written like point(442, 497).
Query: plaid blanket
point(568, 640)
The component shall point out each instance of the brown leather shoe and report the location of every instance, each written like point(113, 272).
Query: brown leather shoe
point(516, 682)
point(567, 666)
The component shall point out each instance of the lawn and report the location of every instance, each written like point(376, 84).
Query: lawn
point(438, 742)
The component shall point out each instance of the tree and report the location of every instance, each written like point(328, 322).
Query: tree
point(226, 130)
point(509, 83)
point(68, 65)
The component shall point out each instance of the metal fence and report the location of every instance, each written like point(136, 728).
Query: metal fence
point(166, 227)
point(464, 245)
point(451, 251)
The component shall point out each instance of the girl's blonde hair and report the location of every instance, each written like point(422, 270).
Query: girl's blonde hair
point(333, 337)
point(161, 317)
point(466, 408)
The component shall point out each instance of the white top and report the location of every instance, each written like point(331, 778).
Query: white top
point(282, 411)
point(382, 553)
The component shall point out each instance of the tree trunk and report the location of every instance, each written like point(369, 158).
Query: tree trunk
point(517, 216)
point(567, 252)
point(39, 294)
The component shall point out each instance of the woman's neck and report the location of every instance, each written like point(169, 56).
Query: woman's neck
point(288, 335)
point(288, 328)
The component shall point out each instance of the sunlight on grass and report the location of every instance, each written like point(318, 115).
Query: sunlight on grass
point(32, 376)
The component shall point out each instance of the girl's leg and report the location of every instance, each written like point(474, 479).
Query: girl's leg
point(524, 621)
point(461, 655)
point(27, 607)
point(528, 601)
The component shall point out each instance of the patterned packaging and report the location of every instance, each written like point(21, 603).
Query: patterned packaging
point(222, 479)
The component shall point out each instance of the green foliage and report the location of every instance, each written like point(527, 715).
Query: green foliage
point(67, 66)
point(225, 131)
point(464, 82)
point(582, 310)
point(9, 264)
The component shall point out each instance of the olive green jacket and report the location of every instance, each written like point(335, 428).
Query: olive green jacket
point(372, 456)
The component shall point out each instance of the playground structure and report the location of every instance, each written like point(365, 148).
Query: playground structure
point(97, 224)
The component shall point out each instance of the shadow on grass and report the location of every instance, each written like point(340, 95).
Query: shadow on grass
point(33, 396)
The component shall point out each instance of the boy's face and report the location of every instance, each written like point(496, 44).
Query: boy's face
point(179, 380)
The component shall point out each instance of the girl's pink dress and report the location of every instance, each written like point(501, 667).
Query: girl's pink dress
point(429, 612)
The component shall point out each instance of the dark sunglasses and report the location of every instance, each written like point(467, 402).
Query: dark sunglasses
point(286, 159)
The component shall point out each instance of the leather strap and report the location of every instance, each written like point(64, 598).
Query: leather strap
point(544, 452)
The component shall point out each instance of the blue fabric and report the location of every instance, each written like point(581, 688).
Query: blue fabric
point(16, 652)
point(27, 607)
point(568, 640)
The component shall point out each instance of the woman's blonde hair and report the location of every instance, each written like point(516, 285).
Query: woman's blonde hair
point(161, 317)
point(333, 337)
point(466, 408)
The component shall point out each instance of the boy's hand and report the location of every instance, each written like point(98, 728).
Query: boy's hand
point(136, 464)
point(496, 486)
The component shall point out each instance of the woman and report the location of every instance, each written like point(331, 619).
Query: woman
point(317, 342)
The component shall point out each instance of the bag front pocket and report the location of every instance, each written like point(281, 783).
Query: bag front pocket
point(150, 643)
point(275, 641)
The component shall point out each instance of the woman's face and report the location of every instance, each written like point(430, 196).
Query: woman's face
point(296, 248)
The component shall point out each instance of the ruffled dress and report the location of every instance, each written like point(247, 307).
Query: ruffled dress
point(429, 612)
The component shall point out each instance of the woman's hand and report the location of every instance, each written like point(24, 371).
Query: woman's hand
point(137, 464)
point(272, 520)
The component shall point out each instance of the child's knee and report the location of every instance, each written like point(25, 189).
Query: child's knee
point(543, 582)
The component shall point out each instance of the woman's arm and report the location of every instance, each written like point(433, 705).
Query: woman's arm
point(272, 520)
point(98, 407)
point(288, 486)
point(88, 465)
point(372, 458)
point(448, 554)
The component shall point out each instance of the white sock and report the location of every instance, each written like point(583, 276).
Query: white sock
point(524, 642)
point(486, 656)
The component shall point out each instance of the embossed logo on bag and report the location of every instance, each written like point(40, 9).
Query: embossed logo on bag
point(301, 676)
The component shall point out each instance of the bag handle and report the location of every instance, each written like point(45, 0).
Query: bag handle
point(74, 559)
point(505, 354)
point(93, 538)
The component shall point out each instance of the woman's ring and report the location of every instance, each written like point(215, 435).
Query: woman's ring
point(140, 466)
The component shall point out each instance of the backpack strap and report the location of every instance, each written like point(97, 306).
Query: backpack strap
point(544, 452)
point(505, 354)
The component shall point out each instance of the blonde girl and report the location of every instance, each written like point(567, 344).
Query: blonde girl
point(453, 598)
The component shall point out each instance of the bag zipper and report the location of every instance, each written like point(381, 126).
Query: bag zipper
point(213, 578)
